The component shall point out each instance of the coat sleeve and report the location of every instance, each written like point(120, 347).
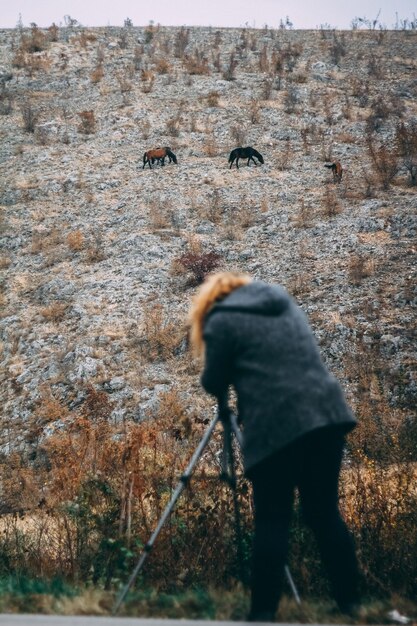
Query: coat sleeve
point(217, 374)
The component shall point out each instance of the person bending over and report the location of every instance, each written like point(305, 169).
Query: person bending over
point(254, 337)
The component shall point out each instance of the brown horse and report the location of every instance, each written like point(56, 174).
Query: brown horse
point(337, 170)
point(158, 154)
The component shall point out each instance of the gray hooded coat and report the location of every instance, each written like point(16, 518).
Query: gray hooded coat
point(258, 340)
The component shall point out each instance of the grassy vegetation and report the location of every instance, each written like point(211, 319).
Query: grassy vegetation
point(81, 490)
point(57, 597)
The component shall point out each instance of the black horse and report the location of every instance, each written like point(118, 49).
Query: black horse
point(245, 153)
point(159, 154)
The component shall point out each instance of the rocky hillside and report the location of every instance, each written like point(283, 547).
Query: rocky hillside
point(100, 257)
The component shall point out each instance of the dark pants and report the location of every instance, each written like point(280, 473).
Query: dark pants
point(312, 464)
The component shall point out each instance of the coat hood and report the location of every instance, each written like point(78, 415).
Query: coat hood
point(255, 297)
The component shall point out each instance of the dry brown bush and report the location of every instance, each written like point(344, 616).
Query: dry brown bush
point(181, 42)
point(300, 284)
point(254, 111)
point(35, 42)
point(148, 78)
point(161, 334)
point(54, 312)
point(331, 205)
point(94, 251)
point(88, 122)
point(76, 240)
point(303, 218)
point(238, 134)
point(162, 66)
point(173, 125)
point(229, 72)
point(285, 156)
point(360, 267)
point(97, 74)
point(212, 99)
point(196, 63)
point(30, 117)
point(53, 32)
point(406, 141)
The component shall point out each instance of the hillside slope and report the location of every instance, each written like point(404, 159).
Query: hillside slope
point(94, 290)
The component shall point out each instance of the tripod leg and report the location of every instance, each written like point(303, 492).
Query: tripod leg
point(181, 485)
point(292, 585)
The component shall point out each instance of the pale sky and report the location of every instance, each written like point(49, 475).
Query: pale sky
point(255, 13)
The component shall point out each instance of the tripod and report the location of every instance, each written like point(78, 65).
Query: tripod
point(230, 424)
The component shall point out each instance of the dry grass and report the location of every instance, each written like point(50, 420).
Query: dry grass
point(105, 477)
point(76, 240)
point(54, 312)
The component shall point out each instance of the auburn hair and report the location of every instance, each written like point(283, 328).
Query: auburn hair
point(215, 288)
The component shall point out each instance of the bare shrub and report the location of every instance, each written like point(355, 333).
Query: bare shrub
point(124, 84)
point(326, 148)
point(30, 117)
point(85, 37)
point(213, 210)
point(197, 264)
point(53, 32)
point(230, 69)
point(263, 60)
point(173, 126)
point(300, 284)
point(6, 103)
point(94, 250)
point(54, 312)
point(210, 145)
point(42, 135)
point(291, 99)
point(254, 111)
point(360, 267)
point(149, 33)
point(212, 99)
point(75, 240)
point(182, 39)
point(264, 205)
point(304, 132)
point(238, 134)
point(285, 156)
point(331, 205)
point(303, 218)
point(123, 40)
point(162, 66)
point(383, 109)
point(196, 63)
point(266, 90)
point(337, 48)
point(406, 140)
point(137, 58)
point(148, 78)
point(161, 334)
point(97, 74)
point(145, 128)
point(88, 123)
point(35, 42)
point(384, 161)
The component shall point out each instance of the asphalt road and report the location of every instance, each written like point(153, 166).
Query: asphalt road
point(86, 620)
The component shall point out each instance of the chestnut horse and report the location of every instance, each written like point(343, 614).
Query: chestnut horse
point(337, 170)
point(245, 153)
point(158, 154)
